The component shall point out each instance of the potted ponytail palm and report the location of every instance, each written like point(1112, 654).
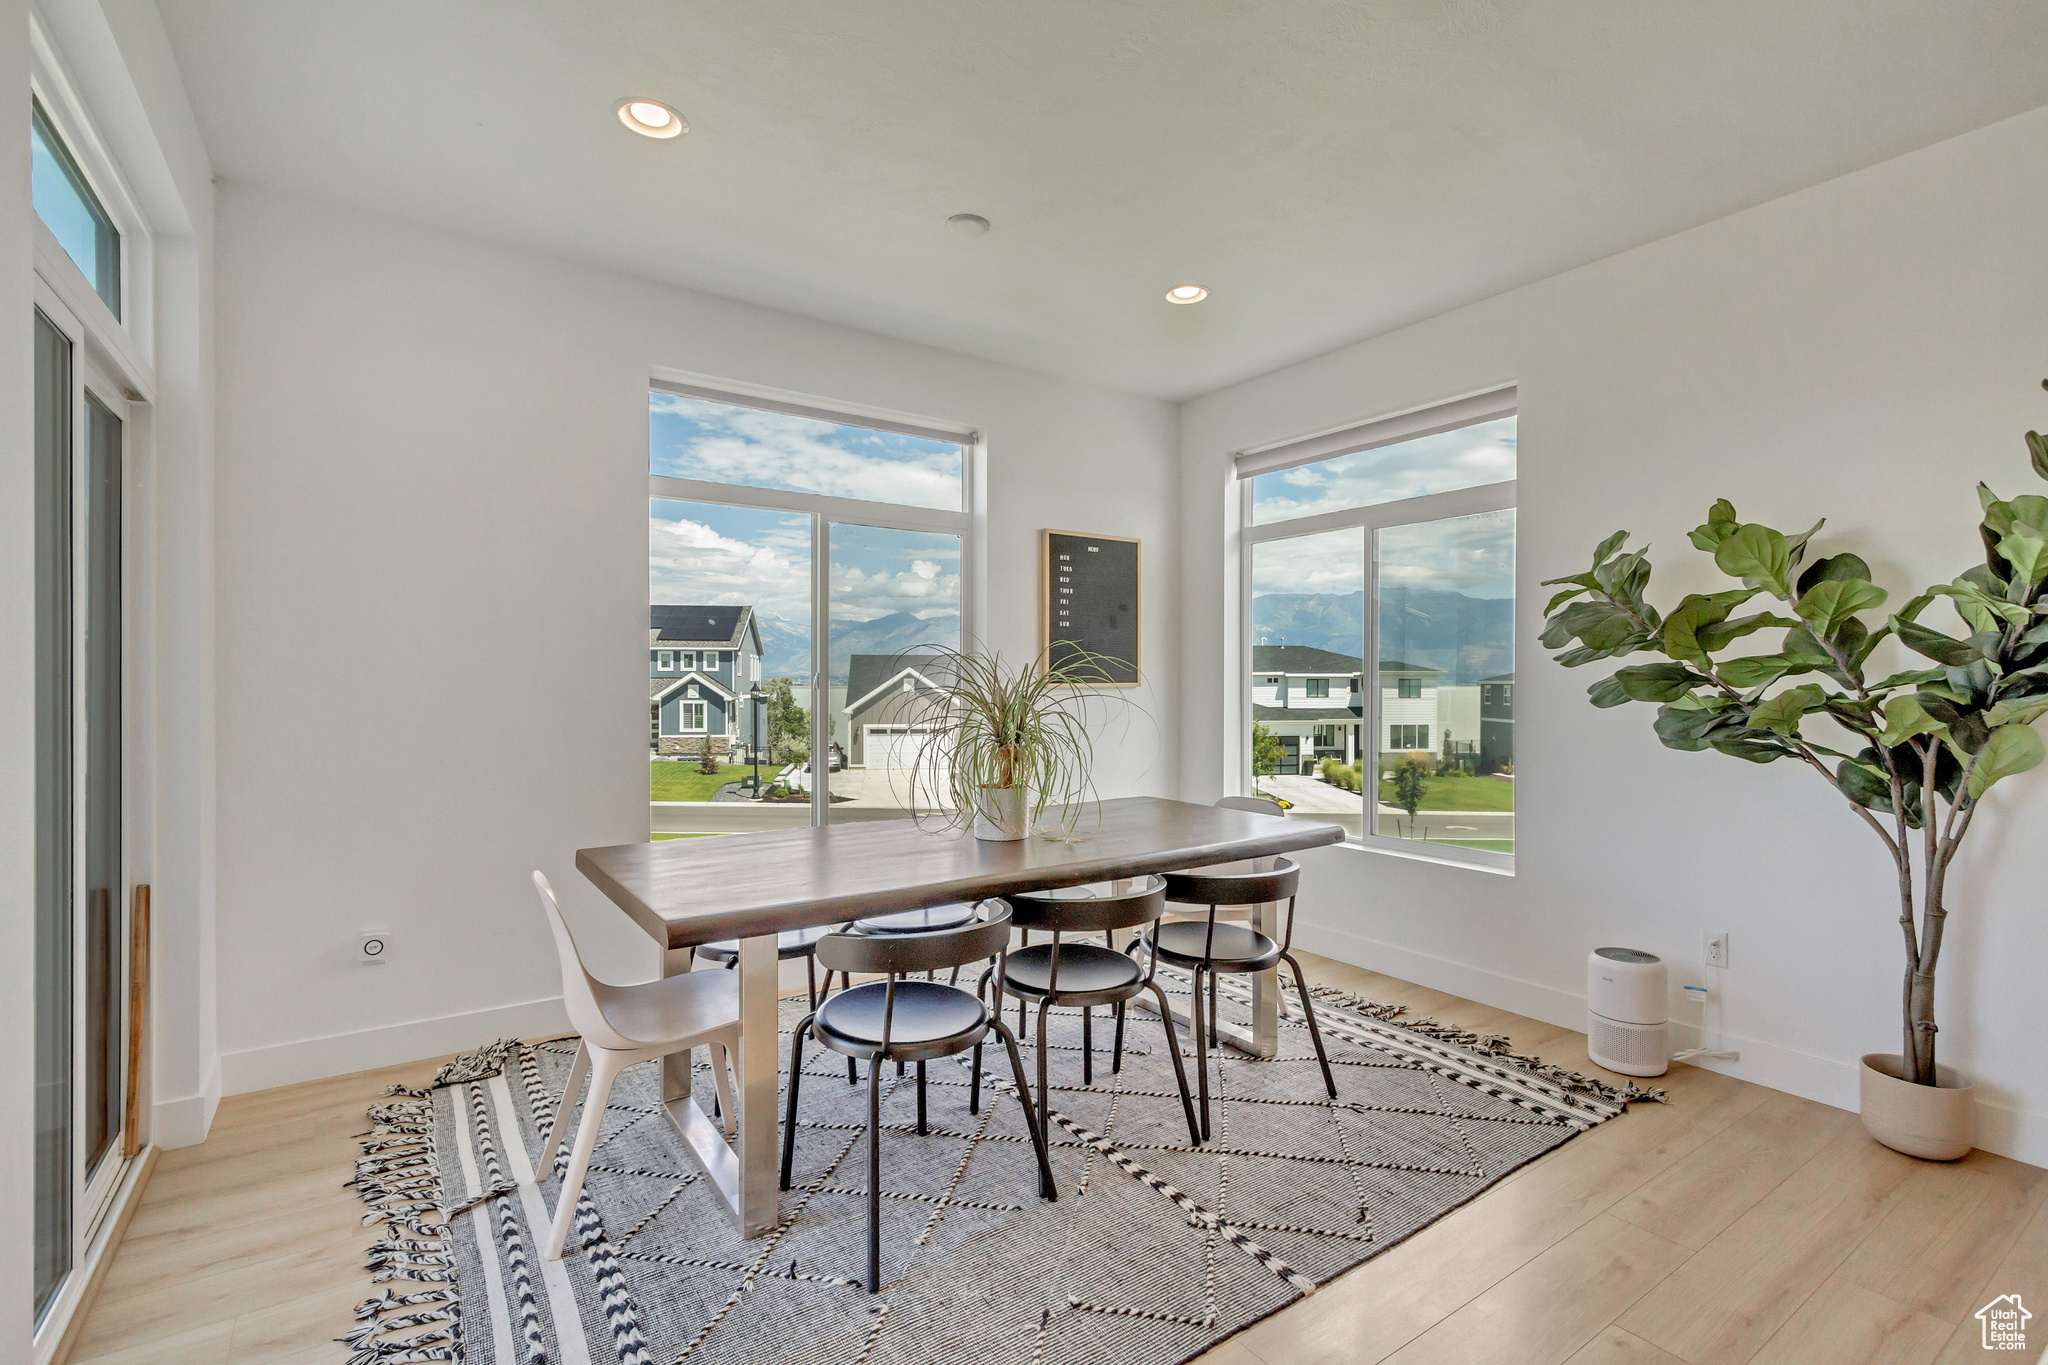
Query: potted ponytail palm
point(1920, 748)
point(1005, 744)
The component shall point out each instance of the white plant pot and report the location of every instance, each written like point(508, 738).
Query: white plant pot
point(1002, 813)
point(1936, 1121)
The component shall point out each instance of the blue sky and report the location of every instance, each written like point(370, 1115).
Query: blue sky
point(690, 438)
point(703, 552)
point(1479, 454)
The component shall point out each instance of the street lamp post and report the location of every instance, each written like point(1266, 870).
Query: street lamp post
point(757, 714)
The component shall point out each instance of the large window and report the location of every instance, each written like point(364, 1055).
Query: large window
point(804, 563)
point(1388, 551)
point(65, 201)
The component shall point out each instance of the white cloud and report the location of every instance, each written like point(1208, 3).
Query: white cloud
point(1465, 458)
point(760, 449)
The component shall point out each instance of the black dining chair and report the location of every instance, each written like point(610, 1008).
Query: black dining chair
point(790, 943)
point(1086, 975)
point(1205, 948)
point(915, 1021)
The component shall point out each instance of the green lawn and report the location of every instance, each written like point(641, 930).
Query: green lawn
point(1490, 845)
point(1460, 793)
point(688, 782)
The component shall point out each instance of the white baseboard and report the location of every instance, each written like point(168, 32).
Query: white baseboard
point(2014, 1133)
point(310, 1059)
point(185, 1122)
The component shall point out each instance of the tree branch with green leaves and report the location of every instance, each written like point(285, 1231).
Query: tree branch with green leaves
point(1924, 744)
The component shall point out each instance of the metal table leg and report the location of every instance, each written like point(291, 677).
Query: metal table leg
point(743, 1180)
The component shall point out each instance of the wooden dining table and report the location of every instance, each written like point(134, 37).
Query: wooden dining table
point(751, 887)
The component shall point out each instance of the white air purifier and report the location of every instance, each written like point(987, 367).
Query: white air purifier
point(1628, 1011)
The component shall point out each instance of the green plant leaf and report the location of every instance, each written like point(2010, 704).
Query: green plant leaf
point(1783, 712)
point(2037, 450)
point(2009, 749)
point(1736, 744)
point(1795, 546)
point(1596, 625)
point(1567, 595)
point(1659, 682)
point(1943, 649)
point(2029, 509)
point(1720, 524)
point(1685, 728)
point(1681, 627)
point(1608, 547)
point(1865, 784)
point(1830, 602)
point(1754, 670)
point(1833, 566)
point(1759, 556)
point(2027, 555)
point(1607, 692)
point(1903, 719)
point(1720, 635)
point(1910, 678)
point(2015, 713)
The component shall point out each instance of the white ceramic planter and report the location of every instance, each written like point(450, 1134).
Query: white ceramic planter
point(1003, 813)
point(1936, 1121)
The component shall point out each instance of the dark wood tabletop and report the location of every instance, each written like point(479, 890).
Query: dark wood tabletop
point(690, 891)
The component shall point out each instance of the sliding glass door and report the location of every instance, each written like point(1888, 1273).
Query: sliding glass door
point(81, 878)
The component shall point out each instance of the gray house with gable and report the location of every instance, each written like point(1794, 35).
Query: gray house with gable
point(701, 662)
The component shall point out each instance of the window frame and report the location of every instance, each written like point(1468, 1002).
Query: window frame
point(684, 709)
point(130, 336)
point(824, 510)
point(1486, 406)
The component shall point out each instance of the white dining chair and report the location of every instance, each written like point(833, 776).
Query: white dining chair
point(618, 1027)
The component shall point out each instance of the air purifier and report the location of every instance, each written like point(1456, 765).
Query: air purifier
point(1628, 1011)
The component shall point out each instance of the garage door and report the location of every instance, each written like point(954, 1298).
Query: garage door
point(891, 746)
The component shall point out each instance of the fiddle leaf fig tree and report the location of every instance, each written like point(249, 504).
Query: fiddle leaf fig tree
point(1920, 748)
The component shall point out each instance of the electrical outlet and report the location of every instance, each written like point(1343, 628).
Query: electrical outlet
point(373, 947)
point(1717, 948)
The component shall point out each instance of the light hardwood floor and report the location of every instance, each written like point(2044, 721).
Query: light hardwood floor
point(1735, 1224)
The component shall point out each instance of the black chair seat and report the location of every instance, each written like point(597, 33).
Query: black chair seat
point(789, 943)
point(927, 1017)
point(1236, 948)
point(932, 917)
point(1085, 969)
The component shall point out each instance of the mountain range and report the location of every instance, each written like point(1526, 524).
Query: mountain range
point(1469, 638)
point(786, 644)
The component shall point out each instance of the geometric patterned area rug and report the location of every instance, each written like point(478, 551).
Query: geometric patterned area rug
point(1153, 1252)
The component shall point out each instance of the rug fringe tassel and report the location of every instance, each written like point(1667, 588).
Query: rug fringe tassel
point(1497, 1046)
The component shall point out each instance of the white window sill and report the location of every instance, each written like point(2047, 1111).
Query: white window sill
point(1356, 845)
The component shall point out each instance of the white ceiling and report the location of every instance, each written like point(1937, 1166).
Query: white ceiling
point(1328, 170)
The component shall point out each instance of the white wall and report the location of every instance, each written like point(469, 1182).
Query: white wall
point(433, 589)
point(1865, 350)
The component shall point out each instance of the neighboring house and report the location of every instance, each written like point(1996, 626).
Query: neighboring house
point(888, 707)
point(701, 661)
point(1497, 723)
point(1311, 700)
point(1409, 722)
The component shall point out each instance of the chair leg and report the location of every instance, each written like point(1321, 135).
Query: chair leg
point(1213, 1040)
point(974, 1084)
point(1197, 1026)
point(1315, 1035)
point(721, 1060)
point(922, 1126)
point(1087, 1046)
point(605, 1068)
point(811, 978)
point(578, 1069)
point(796, 1072)
point(874, 1176)
point(1116, 1052)
point(1046, 1189)
point(1044, 1086)
point(1179, 1072)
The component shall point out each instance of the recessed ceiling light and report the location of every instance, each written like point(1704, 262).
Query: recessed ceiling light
point(1186, 293)
point(968, 224)
point(651, 118)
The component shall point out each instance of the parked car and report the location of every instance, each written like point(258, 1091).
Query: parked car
point(836, 758)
